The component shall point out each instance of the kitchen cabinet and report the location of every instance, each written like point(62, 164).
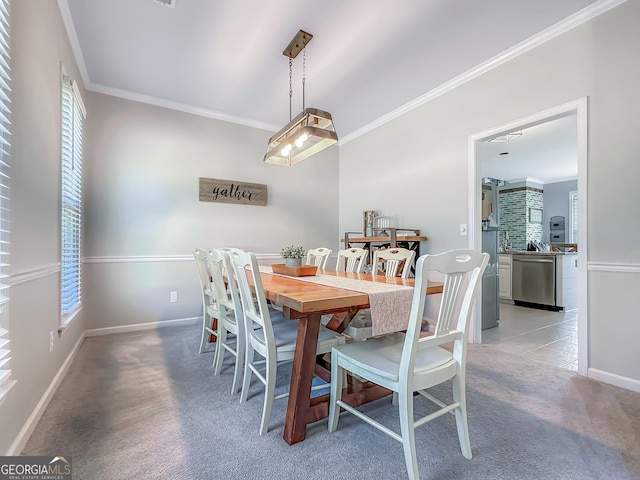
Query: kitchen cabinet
point(504, 274)
point(567, 281)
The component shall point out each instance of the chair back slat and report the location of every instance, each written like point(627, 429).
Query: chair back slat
point(393, 258)
point(461, 270)
point(453, 283)
point(215, 263)
point(352, 260)
point(225, 292)
point(256, 310)
point(201, 256)
point(318, 257)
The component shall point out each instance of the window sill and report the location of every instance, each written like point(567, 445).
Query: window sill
point(66, 321)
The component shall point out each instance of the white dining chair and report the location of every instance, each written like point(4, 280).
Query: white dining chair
point(397, 261)
point(208, 303)
point(408, 363)
point(230, 316)
point(318, 256)
point(393, 259)
point(271, 342)
point(352, 260)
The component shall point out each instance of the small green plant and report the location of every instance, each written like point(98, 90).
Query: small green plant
point(292, 251)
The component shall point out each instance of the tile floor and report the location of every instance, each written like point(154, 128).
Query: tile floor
point(540, 335)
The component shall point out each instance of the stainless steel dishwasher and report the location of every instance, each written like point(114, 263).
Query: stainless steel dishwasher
point(534, 279)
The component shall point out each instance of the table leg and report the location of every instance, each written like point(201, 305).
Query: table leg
point(341, 320)
point(214, 326)
point(295, 424)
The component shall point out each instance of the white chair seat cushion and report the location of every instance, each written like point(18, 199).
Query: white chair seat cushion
point(381, 356)
point(286, 333)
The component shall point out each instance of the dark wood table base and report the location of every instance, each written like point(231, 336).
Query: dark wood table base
point(302, 409)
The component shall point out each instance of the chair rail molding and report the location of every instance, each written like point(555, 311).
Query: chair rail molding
point(613, 267)
point(267, 257)
point(597, 8)
point(34, 274)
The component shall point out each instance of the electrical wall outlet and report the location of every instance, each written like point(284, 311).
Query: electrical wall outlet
point(51, 341)
point(173, 298)
point(463, 229)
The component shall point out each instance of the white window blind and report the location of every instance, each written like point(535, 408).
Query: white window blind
point(73, 114)
point(5, 353)
point(573, 217)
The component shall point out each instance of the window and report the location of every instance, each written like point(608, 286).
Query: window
point(73, 114)
point(5, 353)
point(573, 217)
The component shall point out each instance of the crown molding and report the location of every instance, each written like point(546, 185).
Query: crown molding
point(67, 19)
point(181, 107)
point(584, 15)
point(536, 40)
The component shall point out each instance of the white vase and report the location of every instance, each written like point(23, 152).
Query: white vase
point(293, 262)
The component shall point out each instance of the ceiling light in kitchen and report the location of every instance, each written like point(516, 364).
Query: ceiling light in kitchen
point(507, 137)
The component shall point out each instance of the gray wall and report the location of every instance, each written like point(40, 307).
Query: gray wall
point(39, 44)
point(556, 203)
point(144, 217)
point(424, 154)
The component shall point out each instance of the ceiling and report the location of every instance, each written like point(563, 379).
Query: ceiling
point(544, 153)
point(223, 58)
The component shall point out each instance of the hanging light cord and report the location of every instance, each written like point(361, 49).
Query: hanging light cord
point(304, 71)
point(290, 88)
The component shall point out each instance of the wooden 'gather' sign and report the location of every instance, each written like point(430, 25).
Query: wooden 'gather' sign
point(230, 191)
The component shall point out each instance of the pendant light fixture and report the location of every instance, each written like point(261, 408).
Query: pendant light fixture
point(311, 131)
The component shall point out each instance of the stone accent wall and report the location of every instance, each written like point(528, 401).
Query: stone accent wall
point(513, 217)
point(513, 208)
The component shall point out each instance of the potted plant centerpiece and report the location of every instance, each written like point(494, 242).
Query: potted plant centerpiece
point(293, 255)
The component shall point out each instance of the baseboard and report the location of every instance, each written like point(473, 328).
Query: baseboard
point(23, 436)
point(95, 332)
point(25, 433)
point(615, 380)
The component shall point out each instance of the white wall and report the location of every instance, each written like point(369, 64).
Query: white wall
point(143, 164)
point(425, 153)
point(39, 44)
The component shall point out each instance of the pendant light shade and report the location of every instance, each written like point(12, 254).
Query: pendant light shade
point(310, 132)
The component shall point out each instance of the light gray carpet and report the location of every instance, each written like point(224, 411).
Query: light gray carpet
point(147, 406)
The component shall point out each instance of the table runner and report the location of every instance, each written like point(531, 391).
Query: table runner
point(390, 304)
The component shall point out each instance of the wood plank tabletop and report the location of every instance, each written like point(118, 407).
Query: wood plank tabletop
point(311, 297)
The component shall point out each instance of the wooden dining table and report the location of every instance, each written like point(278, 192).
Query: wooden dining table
point(306, 302)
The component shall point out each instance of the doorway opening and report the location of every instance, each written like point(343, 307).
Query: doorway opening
point(575, 112)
